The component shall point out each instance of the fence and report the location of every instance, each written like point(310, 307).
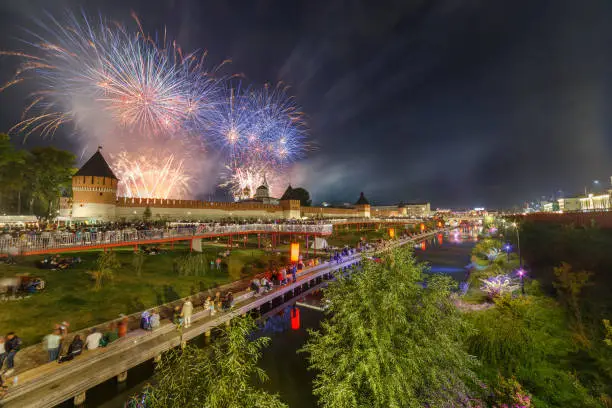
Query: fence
point(64, 240)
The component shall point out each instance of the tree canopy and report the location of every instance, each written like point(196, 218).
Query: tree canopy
point(38, 177)
point(392, 338)
point(215, 377)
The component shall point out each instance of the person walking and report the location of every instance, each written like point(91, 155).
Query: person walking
point(2, 352)
point(218, 262)
point(187, 312)
point(52, 344)
point(12, 346)
point(293, 273)
point(92, 341)
point(210, 305)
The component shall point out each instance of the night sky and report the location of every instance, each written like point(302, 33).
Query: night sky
point(461, 103)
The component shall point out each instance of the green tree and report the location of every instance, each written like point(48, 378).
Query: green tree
point(303, 195)
point(50, 173)
point(608, 328)
point(12, 170)
point(219, 377)
point(106, 265)
point(569, 285)
point(147, 214)
point(138, 261)
point(387, 341)
point(526, 339)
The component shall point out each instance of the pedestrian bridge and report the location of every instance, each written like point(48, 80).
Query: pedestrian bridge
point(51, 384)
point(56, 242)
point(48, 242)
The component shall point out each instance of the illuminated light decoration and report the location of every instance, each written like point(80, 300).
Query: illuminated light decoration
point(391, 233)
point(423, 245)
point(440, 239)
point(295, 252)
point(439, 224)
point(422, 227)
point(295, 318)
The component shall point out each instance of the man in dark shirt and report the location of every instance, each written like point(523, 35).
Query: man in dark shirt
point(12, 346)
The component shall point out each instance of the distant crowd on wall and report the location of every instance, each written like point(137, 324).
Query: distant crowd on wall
point(35, 231)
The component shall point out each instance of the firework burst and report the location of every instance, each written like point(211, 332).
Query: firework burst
point(151, 174)
point(124, 89)
point(144, 87)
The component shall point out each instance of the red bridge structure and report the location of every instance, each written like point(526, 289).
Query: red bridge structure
point(48, 243)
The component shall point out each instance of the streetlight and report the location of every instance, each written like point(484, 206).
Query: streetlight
point(518, 244)
point(507, 248)
point(521, 273)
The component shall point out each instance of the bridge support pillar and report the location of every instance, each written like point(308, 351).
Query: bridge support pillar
point(122, 377)
point(136, 248)
point(79, 399)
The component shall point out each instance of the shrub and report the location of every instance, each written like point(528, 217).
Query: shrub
point(192, 265)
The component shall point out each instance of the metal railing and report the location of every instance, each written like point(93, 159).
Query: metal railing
point(64, 240)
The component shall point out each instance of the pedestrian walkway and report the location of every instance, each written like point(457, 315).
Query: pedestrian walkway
point(50, 384)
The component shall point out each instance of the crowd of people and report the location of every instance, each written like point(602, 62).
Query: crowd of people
point(50, 235)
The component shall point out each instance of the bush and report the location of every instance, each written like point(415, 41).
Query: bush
point(192, 265)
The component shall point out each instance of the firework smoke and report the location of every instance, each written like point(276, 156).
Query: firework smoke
point(123, 90)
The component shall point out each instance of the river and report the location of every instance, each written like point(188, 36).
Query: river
point(289, 376)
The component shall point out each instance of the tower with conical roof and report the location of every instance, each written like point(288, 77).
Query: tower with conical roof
point(94, 190)
point(363, 206)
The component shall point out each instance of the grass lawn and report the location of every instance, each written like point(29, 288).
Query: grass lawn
point(351, 237)
point(69, 294)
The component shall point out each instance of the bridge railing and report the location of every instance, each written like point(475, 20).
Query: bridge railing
point(48, 240)
point(374, 220)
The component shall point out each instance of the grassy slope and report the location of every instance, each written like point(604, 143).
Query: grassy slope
point(69, 294)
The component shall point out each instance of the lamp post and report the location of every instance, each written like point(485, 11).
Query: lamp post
point(518, 244)
point(507, 248)
point(521, 273)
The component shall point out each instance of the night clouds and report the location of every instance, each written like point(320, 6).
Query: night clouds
point(463, 103)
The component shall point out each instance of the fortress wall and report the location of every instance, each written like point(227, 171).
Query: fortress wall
point(195, 213)
point(195, 204)
point(327, 212)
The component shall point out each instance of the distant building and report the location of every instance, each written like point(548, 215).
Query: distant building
point(402, 210)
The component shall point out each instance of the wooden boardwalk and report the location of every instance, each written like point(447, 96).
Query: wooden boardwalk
point(51, 384)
